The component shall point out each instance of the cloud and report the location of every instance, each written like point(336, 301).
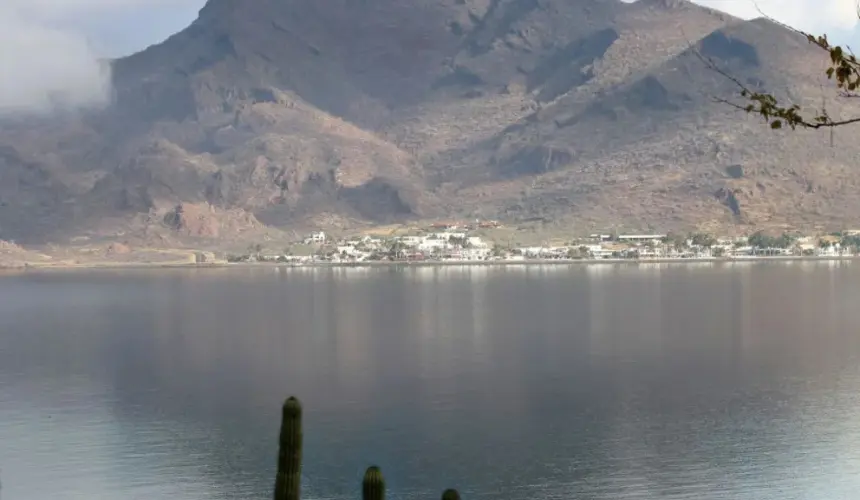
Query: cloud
point(46, 58)
point(45, 67)
point(815, 16)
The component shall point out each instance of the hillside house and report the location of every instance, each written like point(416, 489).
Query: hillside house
point(317, 238)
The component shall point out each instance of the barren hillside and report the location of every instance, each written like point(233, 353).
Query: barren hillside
point(287, 114)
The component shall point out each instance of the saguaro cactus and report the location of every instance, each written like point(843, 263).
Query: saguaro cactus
point(373, 485)
point(288, 479)
point(450, 494)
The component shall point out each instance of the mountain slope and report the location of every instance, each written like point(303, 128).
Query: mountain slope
point(288, 114)
point(656, 147)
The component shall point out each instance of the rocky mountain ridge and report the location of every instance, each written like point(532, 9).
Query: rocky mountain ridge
point(287, 115)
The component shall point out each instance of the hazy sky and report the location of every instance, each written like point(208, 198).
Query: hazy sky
point(48, 48)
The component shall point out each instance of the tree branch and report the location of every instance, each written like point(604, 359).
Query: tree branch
point(844, 69)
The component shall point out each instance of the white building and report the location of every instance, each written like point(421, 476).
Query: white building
point(477, 242)
point(349, 250)
point(545, 252)
point(649, 253)
point(834, 250)
point(598, 252)
point(318, 237)
point(431, 245)
point(656, 238)
point(472, 254)
point(412, 241)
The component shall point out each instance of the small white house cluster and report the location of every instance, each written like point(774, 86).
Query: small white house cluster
point(437, 246)
point(358, 249)
point(317, 238)
point(453, 243)
point(446, 245)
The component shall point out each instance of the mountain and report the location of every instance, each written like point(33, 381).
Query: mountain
point(285, 115)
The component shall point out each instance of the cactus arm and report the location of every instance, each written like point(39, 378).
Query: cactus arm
point(373, 485)
point(288, 478)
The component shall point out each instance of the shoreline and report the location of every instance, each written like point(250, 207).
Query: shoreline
point(478, 263)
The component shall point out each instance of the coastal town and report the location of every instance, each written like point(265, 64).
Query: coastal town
point(467, 243)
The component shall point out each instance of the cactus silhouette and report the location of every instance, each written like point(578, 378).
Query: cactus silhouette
point(373, 485)
point(288, 479)
point(450, 494)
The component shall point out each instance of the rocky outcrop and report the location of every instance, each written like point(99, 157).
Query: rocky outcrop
point(201, 220)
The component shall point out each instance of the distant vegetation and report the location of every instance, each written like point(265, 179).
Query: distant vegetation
point(762, 240)
point(848, 240)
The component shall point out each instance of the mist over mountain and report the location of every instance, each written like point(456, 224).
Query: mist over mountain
point(292, 114)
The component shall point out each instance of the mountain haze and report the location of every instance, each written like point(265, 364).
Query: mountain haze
point(293, 114)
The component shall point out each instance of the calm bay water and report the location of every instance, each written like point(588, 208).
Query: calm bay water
point(598, 382)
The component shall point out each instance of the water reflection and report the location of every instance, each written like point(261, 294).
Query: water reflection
point(605, 381)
